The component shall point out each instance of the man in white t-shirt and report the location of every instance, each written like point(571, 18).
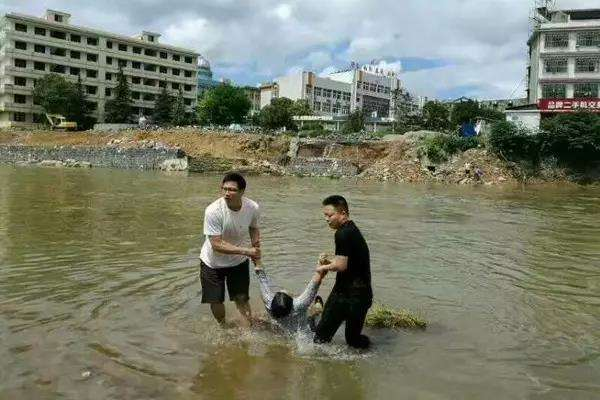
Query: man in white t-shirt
point(232, 238)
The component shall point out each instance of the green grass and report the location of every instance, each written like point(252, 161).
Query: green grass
point(382, 316)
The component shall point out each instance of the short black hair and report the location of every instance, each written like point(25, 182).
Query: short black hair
point(237, 178)
point(338, 202)
point(281, 305)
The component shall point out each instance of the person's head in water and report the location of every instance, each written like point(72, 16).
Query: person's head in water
point(233, 186)
point(335, 210)
point(281, 305)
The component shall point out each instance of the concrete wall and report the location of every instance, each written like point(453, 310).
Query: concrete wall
point(527, 119)
point(98, 157)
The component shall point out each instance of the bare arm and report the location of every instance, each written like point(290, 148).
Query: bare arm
point(254, 236)
point(338, 264)
point(221, 246)
point(266, 285)
point(309, 294)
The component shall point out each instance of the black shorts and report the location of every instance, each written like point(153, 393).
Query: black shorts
point(213, 282)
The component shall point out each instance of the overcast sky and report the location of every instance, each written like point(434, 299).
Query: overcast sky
point(445, 48)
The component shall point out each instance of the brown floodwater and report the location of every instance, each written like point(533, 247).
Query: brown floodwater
point(99, 290)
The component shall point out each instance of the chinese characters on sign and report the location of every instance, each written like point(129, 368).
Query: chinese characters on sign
point(570, 105)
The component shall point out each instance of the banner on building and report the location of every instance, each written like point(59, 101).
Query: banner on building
point(569, 105)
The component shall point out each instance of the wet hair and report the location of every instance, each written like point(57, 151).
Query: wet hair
point(281, 305)
point(338, 202)
point(237, 178)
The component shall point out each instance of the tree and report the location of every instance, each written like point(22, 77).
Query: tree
point(301, 107)
point(79, 107)
point(162, 108)
point(355, 123)
point(463, 112)
point(435, 115)
point(178, 113)
point(118, 110)
point(54, 93)
point(223, 105)
point(278, 114)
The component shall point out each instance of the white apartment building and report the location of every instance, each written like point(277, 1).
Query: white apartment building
point(32, 47)
point(368, 88)
point(564, 68)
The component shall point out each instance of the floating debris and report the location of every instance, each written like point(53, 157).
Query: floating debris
point(382, 316)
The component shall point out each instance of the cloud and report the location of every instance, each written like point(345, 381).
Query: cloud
point(472, 47)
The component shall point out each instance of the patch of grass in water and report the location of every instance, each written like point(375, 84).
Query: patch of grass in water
point(382, 316)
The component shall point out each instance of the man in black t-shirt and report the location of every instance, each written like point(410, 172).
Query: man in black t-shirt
point(351, 295)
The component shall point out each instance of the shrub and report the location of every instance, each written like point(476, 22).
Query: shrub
point(381, 316)
point(514, 142)
point(571, 138)
point(440, 147)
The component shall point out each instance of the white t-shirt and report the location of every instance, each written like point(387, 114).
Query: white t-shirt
point(233, 228)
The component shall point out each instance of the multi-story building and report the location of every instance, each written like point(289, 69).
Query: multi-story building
point(253, 94)
point(32, 47)
point(205, 77)
point(564, 67)
point(369, 88)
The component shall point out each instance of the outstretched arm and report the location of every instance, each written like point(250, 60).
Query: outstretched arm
point(309, 294)
point(266, 286)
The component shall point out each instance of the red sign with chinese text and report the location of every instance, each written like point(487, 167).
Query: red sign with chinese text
point(569, 105)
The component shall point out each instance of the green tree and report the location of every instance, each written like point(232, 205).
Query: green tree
point(572, 138)
point(118, 110)
point(223, 105)
point(301, 107)
point(54, 93)
point(278, 114)
point(463, 112)
point(162, 108)
point(179, 115)
point(79, 107)
point(355, 123)
point(435, 115)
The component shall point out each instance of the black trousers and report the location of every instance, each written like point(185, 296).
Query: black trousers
point(340, 308)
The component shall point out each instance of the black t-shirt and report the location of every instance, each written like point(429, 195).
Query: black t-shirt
point(356, 280)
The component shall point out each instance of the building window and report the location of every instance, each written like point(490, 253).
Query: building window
point(91, 89)
point(317, 91)
point(137, 50)
point(188, 74)
point(21, 45)
point(135, 95)
point(58, 18)
point(327, 106)
point(92, 57)
point(20, 27)
point(175, 71)
point(163, 54)
point(176, 57)
point(122, 47)
point(150, 53)
point(187, 102)
point(75, 38)
point(122, 63)
point(61, 69)
point(19, 117)
point(38, 48)
point(149, 82)
point(317, 106)
point(187, 88)
point(39, 66)
point(585, 90)
point(57, 51)
point(20, 99)
point(588, 39)
point(554, 91)
point(92, 41)
point(92, 105)
point(150, 67)
point(136, 80)
point(163, 70)
point(556, 40)
point(346, 96)
point(20, 63)
point(586, 64)
point(555, 65)
point(162, 84)
point(40, 31)
point(109, 60)
point(136, 64)
point(108, 76)
point(108, 44)
point(148, 97)
point(74, 71)
point(20, 81)
point(91, 73)
point(75, 54)
point(107, 92)
point(188, 59)
point(58, 35)
point(150, 38)
point(175, 86)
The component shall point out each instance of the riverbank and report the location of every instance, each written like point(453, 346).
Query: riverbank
point(396, 159)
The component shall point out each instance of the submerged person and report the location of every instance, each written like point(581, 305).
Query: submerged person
point(291, 313)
